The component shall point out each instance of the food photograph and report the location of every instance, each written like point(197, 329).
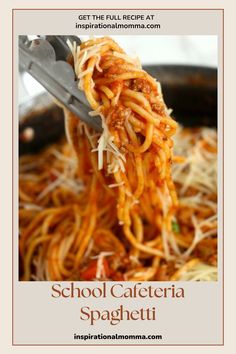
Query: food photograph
point(117, 158)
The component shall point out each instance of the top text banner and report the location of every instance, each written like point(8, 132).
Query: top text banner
point(120, 22)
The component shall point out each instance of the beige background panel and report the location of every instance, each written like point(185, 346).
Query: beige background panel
point(197, 319)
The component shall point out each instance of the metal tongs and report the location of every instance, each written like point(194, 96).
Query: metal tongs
point(46, 59)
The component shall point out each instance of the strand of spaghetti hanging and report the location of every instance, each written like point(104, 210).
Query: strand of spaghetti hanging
point(135, 146)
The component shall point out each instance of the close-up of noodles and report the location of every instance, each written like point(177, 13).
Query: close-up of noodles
point(137, 202)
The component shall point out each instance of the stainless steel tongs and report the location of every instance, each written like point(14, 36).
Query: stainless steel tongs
point(46, 60)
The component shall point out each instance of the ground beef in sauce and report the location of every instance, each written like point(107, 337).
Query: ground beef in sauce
point(158, 107)
point(117, 117)
point(141, 85)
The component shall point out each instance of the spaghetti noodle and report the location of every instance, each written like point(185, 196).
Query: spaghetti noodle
point(104, 206)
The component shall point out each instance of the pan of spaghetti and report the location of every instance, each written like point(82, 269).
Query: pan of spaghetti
point(136, 202)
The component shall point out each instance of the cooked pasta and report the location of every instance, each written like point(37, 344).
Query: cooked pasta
point(104, 206)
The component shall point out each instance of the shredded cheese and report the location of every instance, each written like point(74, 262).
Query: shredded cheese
point(100, 272)
point(200, 272)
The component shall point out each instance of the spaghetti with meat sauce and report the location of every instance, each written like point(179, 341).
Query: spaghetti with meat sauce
point(104, 206)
